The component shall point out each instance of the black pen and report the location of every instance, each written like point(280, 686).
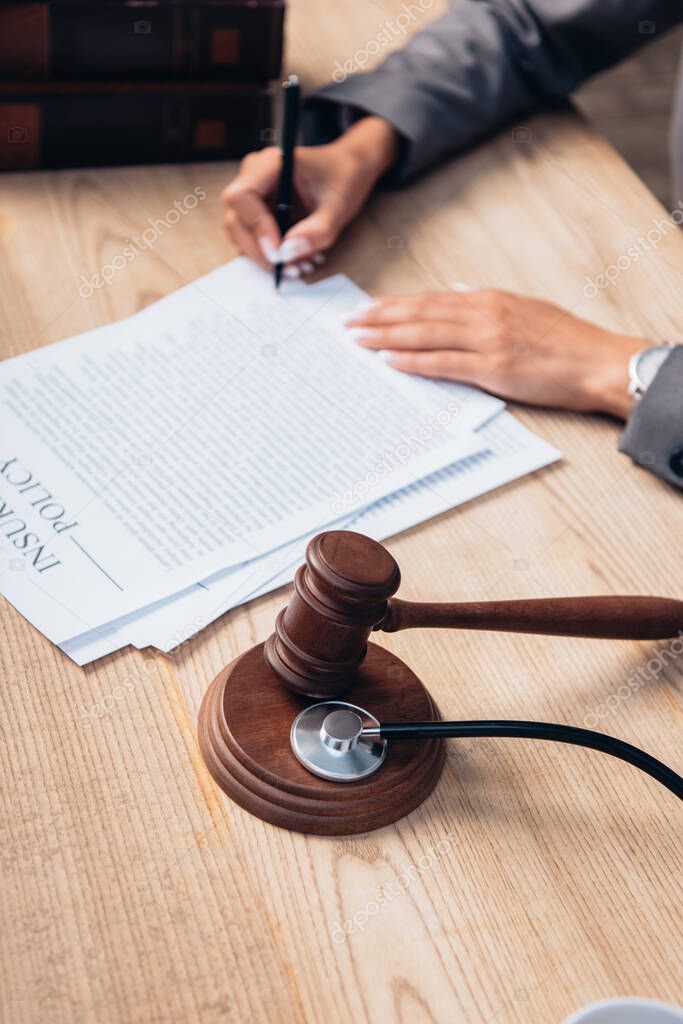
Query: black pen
point(290, 125)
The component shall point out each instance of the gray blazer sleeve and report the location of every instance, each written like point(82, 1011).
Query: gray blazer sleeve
point(478, 66)
point(654, 432)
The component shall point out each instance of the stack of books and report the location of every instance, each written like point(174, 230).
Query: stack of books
point(101, 82)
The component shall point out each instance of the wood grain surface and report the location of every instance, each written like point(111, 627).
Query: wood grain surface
point(534, 879)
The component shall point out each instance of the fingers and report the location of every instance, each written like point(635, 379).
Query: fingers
point(465, 367)
point(440, 306)
point(329, 193)
point(304, 267)
point(248, 219)
point(302, 245)
point(242, 238)
point(314, 233)
point(252, 226)
point(427, 334)
point(331, 185)
point(475, 321)
point(480, 309)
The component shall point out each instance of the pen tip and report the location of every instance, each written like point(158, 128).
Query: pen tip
point(278, 274)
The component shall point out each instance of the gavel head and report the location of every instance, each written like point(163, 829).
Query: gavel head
point(340, 595)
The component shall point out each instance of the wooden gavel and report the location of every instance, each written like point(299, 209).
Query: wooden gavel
point(343, 592)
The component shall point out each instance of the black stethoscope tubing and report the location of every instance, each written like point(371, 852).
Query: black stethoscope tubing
point(536, 730)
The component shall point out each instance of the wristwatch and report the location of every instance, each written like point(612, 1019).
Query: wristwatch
point(644, 366)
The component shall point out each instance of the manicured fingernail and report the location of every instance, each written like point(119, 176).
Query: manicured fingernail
point(268, 249)
point(319, 258)
point(385, 354)
point(307, 267)
point(291, 272)
point(294, 249)
point(358, 315)
point(365, 337)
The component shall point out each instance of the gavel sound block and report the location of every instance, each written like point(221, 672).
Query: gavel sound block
point(320, 651)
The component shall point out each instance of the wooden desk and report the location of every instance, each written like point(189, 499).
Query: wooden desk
point(536, 878)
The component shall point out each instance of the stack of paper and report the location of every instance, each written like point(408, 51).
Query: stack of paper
point(161, 470)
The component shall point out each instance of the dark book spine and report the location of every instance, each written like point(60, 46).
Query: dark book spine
point(78, 125)
point(123, 38)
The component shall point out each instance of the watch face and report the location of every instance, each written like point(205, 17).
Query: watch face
point(649, 364)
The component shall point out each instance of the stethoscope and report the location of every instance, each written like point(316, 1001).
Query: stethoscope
point(341, 742)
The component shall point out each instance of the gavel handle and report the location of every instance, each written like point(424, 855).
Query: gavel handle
point(621, 618)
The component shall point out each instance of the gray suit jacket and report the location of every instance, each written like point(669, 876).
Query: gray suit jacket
point(482, 64)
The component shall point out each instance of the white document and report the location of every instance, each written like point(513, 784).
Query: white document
point(212, 427)
point(511, 451)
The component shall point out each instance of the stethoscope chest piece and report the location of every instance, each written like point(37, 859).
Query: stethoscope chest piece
point(327, 739)
point(245, 723)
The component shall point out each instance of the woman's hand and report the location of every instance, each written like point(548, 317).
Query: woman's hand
point(515, 347)
point(332, 183)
